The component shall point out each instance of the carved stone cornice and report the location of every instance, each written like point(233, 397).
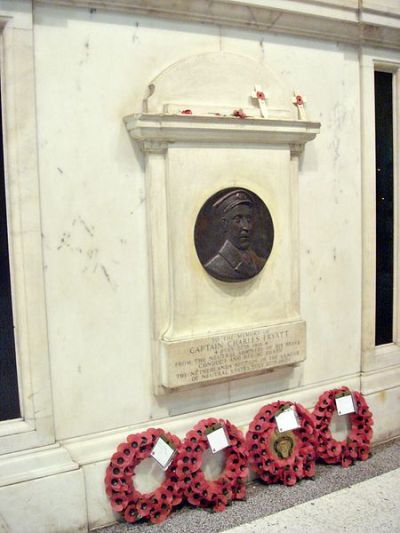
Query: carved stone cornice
point(349, 21)
point(157, 129)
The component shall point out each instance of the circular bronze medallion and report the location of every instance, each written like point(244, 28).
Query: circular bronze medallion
point(282, 444)
point(233, 234)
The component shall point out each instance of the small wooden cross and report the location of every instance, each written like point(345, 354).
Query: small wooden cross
point(299, 101)
point(259, 94)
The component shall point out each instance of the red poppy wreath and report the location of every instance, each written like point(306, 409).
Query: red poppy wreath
point(281, 457)
point(125, 499)
point(231, 485)
point(356, 445)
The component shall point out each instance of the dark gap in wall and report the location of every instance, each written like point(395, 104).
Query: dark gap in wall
point(384, 207)
point(9, 398)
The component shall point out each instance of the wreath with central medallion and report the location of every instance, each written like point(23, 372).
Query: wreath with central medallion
point(281, 457)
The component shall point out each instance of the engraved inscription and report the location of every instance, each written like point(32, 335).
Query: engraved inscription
point(233, 354)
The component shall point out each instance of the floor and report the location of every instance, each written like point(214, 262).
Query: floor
point(362, 498)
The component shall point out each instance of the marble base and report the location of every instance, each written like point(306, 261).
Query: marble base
point(54, 504)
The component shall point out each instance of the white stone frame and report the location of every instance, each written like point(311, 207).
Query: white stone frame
point(380, 364)
point(35, 427)
point(154, 133)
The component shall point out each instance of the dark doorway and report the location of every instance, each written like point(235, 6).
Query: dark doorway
point(9, 399)
point(384, 207)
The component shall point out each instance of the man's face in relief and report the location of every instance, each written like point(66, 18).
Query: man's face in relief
point(238, 223)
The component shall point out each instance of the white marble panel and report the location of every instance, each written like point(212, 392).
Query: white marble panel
point(385, 407)
point(51, 504)
point(93, 207)
point(210, 170)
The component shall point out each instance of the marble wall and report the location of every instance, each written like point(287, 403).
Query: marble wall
point(93, 206)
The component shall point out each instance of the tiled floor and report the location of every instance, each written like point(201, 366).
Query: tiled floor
point(362, 498)
point(369, 506)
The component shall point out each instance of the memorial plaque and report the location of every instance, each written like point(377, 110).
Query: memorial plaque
point(229, 355)
point(233, 235)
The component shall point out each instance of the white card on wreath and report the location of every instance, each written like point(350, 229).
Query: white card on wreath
point(218, 440)
point(163, 453)
point(287, 420)
point(345, 405)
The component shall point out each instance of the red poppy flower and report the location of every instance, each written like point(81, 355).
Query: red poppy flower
point(334, 448)
point(196, 440)
point(320, 411)
point(186, 112)
point(119, 502)
point(152, 434)
point(307, 451)
point(156, 516)
point(144, 506)
point(299, 100)
point(346, 461)
point(219, 506)
point(183, 470)
point(120, 460)
point(267, 411)
point(177, 499)
point(289, 477)
point(363, 452)
point(116, 484)
point(131, 514)
point(257, 426)
point(163, 496)
point(368, 434)
point(358, 437)
point(194, 498)
point(239, 113)
point(298, 470)
point(260, 95)
point(239, 491)
point(135, 441)
point(309, 469)
point(126, 450)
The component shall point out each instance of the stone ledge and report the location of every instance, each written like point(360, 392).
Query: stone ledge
point(163, 128)
point(333, 21)
point(35, 463)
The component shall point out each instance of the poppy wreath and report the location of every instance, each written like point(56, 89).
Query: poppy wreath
point(125, 499)
point(281, 457)
point(231, 485)
point(356, 445)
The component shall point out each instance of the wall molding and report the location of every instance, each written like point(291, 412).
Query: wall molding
point(34, 464)
point(36, 427)
point(332, 21)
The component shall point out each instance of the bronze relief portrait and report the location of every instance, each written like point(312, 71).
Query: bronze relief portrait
point(234, 234)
